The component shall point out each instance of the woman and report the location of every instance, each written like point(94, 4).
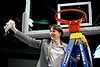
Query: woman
point(52, 51)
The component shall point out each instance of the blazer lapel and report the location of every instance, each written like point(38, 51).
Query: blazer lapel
point(48, 50)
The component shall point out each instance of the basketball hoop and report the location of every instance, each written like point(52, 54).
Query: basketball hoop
point(73, 24)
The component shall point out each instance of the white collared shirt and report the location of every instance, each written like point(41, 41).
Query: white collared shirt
point(56, 55)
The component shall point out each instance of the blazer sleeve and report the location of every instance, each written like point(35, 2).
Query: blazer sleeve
point(28, 40)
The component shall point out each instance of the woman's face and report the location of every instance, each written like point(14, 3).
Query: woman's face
point(54, 34)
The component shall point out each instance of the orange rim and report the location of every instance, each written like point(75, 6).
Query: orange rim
point(67, 21)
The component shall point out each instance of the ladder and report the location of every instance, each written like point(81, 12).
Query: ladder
point(78, 39)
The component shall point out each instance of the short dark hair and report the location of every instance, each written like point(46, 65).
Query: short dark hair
point(57, 27)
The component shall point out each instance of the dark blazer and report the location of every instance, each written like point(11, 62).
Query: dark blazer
point(44, 45)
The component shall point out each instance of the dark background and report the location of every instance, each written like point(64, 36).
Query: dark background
point(12, 48)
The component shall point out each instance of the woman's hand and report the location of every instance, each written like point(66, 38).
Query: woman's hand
point(10, 25)
point(78, 57)
point(13, 25)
